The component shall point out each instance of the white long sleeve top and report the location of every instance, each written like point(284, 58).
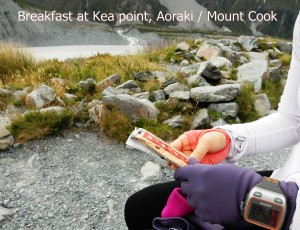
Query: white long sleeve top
point(276, 131)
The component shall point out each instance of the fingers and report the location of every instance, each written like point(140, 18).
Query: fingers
point(201, 150)
point(174, 167)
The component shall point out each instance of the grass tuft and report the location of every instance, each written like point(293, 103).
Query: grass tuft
point(245, 101)
point(13, 60)
point(37, 125)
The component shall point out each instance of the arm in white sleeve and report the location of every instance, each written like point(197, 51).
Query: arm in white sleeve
point(278, 130)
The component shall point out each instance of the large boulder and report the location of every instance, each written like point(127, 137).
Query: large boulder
point(190, 69)
point(200, 120)
point(229, 109)
point(220, 93)
point(109, 91)
point(254, 72)
point(131, 107)
point(211, 73)
point(144, 76)
point(262, 104)
point(174, 121)
point(208, 51)
point(109, 81)
point(175, 87)
point(249, 43)
point(130, 85)
point(41, 97)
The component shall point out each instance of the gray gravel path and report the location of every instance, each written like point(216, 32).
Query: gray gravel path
point(79, 181)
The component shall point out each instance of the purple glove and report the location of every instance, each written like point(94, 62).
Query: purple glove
point(216, 191)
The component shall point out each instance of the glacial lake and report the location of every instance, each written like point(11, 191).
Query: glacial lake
point(62, 53)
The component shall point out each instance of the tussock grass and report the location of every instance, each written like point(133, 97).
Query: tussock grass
point(117, 126)
point(285, 59)
point(13, 60)
point(37, 125)
point(245, 101)
point(274, 92)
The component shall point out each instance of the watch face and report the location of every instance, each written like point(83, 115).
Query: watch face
point(264, 214)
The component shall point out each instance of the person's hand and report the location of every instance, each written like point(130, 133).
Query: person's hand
point(207, 146)
point(216, 191)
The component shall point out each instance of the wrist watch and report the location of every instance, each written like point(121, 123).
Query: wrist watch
point(265, 205)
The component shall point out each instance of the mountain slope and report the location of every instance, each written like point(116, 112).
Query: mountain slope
point(287, 12)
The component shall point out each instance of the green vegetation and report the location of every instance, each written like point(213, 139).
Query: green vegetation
point(246, 104)
point(13, 60)
point(274, 92)
point(37, 125)
point(285, 59)
point(111, 121)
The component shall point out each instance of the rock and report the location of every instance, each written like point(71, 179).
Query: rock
point(197, 80)
point(238, 58)
point(144, 95)
point(160, 76)
point(4, 213)
point(218, 123)
point(284, 47)
point(4, 132)
point(209, 51)
point(221, 62)
point(262, 104)
point(88, 85)
point(254, 72)
point(182, 46)
point(96, 112)
point(109, 91)
point(92, 104)
point(151, 172)
point(41, 97)
point(110, 81)
point(159, 95)
point(4, 93)
point(132, 107)
point(4, 121)
point(184, 63)
point(180, 95)
point(220, 93)
point(131, 85)
point(272, 54)
point(58, 101)
point(200, 119)
point(211, 73)
point(144, 76)
point(70, 97)
point(174, 121)
point(20, 96)
point(229, 109)
point(249, 43)
point(170, 81)
point(274, 74)
point(6, 139)
point(258, 56)
point(175, 87)
point(190, 69)
point(53, 109)
point(275, 63)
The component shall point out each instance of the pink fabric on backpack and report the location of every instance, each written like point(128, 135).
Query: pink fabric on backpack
point(177, 205)
point(211, 158)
